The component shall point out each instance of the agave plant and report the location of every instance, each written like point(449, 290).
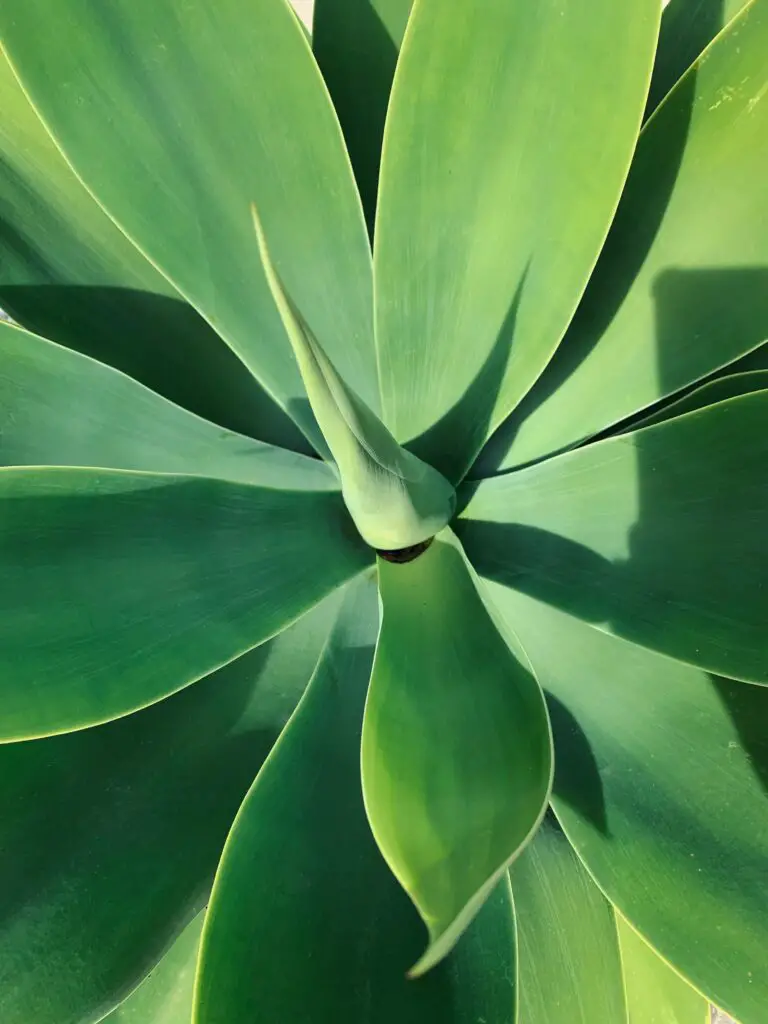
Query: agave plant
point(384, 512)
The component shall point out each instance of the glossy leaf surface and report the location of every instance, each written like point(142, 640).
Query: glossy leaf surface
point(326, 934)
point(109, 837)
point(657, 536)
point(59, 408)
point(456, 751)
point(681, 288)
point(635, 734)
point(207, 570)
point(165, 996)
point(356, 45)
point(68, 273)
point(178, 117)
point(462, 331)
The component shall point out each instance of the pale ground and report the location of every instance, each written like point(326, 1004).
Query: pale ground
point(304, 10)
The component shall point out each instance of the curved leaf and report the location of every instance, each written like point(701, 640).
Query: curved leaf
point(356, 45)
point(718, 390)
point(109, 837)
point(206, 569)
point(178, 116)
point(635, 735)
point(687, 28)
point(658, 536)
point(456, 750)
point(59, 408)
point(496, 195)
point(326, 934)
point(681, 288)
point(68, 273)
point(579, 962)
point(165, 996)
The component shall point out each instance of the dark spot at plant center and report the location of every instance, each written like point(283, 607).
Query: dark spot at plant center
point(405, 554)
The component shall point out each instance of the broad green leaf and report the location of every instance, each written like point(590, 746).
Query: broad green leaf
point(59, 408)
point(662, 772)
point(109, 837)
point(356, 43)
point(655, 994)
point(687, 28)
point(165, 996)
point(178, 116)
point(718, 390)
point(658, 536)
point(579, 962)
point(68, 273)
point(326, 934)
point(496, 195)
point(119, 588)
point(396, 500)
point(681, 288)
point(456, 749)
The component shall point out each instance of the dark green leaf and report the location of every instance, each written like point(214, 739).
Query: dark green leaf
point(718, 390)
point(119, 588)
point(456, 752)
point(658, 536)
point(306, 922)
point(109, 837)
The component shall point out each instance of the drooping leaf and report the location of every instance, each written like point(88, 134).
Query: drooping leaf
point(109, 837)
point(495, 197)
point(178, 117)
point(119, 588)
point(396, 500)
point(356, 45)
point(59, 408)
point(661, 785)
point(718, 390)
point(456, 750)
point(165, 996)
point(327, 934)
point(657, 536)
point(681, 287)
point(579, 962)
point(687, 28)
point(68, 273)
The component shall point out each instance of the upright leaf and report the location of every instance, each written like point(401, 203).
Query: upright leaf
point(658, 536)
point(178, 116)
point(109, 837)
point(306, 922)
point(681, 288)
point(68, 273)
point(119, 588)
point(508, 140)
point(456, 751)
point(661, 785)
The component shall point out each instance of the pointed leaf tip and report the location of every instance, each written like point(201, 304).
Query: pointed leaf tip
point(395, 499)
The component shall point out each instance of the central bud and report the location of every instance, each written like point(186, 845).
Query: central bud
point(397, 502)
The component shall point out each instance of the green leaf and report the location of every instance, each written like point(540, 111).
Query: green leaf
point(396, 500)
point(657, 536)
point(579, 962)
point(481, 255)
point(329, 936)
point(681, 288)
point(655, 994)
point(687, 28)
point(178, 117)
point(661, 780)
point(119, 588)
point(165, 996)
point(356, 45)
point(456, 750)
point(109, 837)
point(119, 424)
point(68, 273)
point(718, 390)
